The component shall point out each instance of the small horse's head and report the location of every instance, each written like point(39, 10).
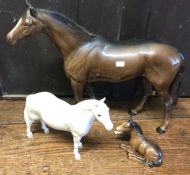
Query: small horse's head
point(127, 127)
point(101, 112)
point(28, 24)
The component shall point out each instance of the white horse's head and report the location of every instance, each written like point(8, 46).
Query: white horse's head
point(101, 113)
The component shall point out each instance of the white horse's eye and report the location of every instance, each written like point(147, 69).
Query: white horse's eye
point(99, 115)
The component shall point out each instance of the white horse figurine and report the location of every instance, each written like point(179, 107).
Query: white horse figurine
point(60, 115)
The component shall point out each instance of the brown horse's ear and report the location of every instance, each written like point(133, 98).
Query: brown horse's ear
point(31, 9)
point(33, 12)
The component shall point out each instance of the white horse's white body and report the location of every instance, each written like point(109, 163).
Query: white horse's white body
point(60, 115)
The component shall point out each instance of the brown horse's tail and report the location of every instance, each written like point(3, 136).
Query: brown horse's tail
point(175, 86)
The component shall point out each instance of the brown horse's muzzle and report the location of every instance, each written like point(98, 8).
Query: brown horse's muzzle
point(121, 129)
point(10, 39)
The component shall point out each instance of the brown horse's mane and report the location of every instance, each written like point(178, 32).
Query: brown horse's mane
point(136, 127)
point(66, 21)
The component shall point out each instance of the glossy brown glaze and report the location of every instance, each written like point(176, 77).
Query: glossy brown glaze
point(90, 58)
point(138, 147)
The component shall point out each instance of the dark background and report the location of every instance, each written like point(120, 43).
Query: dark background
point(34, 64)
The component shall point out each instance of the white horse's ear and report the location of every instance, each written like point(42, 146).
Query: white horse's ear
point(103, 100)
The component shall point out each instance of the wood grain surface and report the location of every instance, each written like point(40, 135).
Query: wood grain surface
point(101, 155)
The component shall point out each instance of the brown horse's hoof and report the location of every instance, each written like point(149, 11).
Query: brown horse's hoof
point(130, 112)
point(160, 130)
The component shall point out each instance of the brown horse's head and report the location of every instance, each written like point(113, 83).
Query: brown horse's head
point(127, 127)
point(28, 24)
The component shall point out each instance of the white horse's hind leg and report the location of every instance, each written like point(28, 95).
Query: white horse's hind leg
point(28, 124)
point(44, 127)
point(77, 144)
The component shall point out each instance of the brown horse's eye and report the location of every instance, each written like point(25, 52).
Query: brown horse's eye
point(26, 24)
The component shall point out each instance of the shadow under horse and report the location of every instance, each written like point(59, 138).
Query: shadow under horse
point(89, 57)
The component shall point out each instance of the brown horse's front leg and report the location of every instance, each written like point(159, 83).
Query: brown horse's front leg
point(139, 106)
point(127, 148)
point(78, 89)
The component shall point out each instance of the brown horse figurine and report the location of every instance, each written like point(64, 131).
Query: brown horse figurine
point(90, 58)
point(138, 147)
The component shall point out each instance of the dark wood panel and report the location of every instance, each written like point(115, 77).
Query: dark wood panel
point(102, 17)
point(170, 23)
point(33, 64)
point(135, 18)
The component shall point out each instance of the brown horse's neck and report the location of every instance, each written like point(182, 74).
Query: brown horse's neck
point(66, 34)
point(135, 137)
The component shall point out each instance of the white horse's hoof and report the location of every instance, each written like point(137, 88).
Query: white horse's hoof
point(30, 135)
point(46, 131)
point(80, 145)
point(77, 157)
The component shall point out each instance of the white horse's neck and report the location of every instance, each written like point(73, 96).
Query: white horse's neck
point(86, 107)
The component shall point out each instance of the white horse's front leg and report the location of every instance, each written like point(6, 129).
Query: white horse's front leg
point(44, 127)
point(77, 144)
point(28, 124)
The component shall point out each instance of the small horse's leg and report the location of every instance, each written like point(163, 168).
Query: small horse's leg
point(44, 127)
point(78, 89)
point(132, 154)
point(168, 104)
point(137, 157)
point(147, 93)
point(77, 144)
point(127, 148)
point(28, 124)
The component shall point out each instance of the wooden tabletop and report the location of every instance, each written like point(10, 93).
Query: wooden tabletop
point(101, 155)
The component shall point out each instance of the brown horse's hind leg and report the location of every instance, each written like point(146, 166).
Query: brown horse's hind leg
point(78, 89)
point(168, 104)
point(147, 93)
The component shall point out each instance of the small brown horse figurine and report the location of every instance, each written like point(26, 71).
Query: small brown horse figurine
point(90, 58)
point(138, 147)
